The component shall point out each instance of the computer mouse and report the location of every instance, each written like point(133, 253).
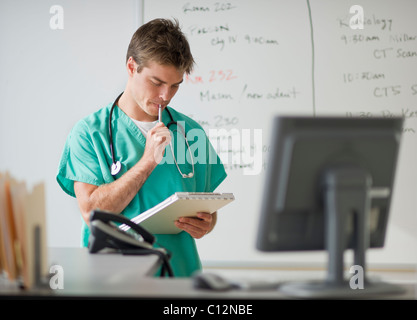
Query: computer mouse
point(211, 281)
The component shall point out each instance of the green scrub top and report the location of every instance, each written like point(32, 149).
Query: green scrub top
point(87, 158)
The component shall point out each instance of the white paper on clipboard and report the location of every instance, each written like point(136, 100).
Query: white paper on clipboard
point(160, 219)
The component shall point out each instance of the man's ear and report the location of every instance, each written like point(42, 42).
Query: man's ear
point(131, 66)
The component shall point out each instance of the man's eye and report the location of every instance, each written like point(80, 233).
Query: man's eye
point(156, 84)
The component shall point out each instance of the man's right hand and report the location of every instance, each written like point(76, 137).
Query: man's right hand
point(156, 141)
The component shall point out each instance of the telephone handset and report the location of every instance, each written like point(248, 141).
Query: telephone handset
point(105, 234)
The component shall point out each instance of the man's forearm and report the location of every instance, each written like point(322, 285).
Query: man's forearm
point(115, 196)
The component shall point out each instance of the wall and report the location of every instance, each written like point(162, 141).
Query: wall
point(50, 78)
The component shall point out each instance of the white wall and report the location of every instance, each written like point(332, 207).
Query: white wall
point(50, 79)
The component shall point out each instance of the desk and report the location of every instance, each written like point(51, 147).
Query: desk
point(116, 276)
point(92, 275)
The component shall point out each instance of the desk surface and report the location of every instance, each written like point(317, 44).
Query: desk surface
point(117, 276)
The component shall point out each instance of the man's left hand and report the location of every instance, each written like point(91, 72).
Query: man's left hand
point(198, 226)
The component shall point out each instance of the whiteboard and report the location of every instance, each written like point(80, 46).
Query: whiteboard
point(259, 59)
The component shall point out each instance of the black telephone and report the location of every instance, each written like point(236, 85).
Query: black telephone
point(105, 234)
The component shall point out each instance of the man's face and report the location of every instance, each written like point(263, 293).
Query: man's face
point(155, 85)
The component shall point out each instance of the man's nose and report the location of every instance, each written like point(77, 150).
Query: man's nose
point(164, 94)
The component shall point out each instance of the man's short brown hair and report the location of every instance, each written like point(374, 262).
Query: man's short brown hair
point(161, 41)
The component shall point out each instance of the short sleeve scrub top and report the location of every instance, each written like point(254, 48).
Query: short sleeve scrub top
point(87, 158)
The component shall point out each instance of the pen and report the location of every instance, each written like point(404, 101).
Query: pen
point(159, 114)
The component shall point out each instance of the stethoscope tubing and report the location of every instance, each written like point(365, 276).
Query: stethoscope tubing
point(110, 129)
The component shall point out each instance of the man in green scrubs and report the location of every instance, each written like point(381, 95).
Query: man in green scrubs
point(157, 59)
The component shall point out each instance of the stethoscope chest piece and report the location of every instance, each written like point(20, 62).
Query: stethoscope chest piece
point(115, 168)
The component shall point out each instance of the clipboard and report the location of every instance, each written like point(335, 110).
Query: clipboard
point(160, 219)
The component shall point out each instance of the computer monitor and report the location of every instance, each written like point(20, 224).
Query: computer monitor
point(328, 186)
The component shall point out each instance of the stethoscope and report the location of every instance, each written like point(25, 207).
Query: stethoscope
point(116, 165)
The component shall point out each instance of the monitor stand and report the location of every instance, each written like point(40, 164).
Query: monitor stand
point(346, 196)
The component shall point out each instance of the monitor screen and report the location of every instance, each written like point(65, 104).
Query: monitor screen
point(302, 150)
